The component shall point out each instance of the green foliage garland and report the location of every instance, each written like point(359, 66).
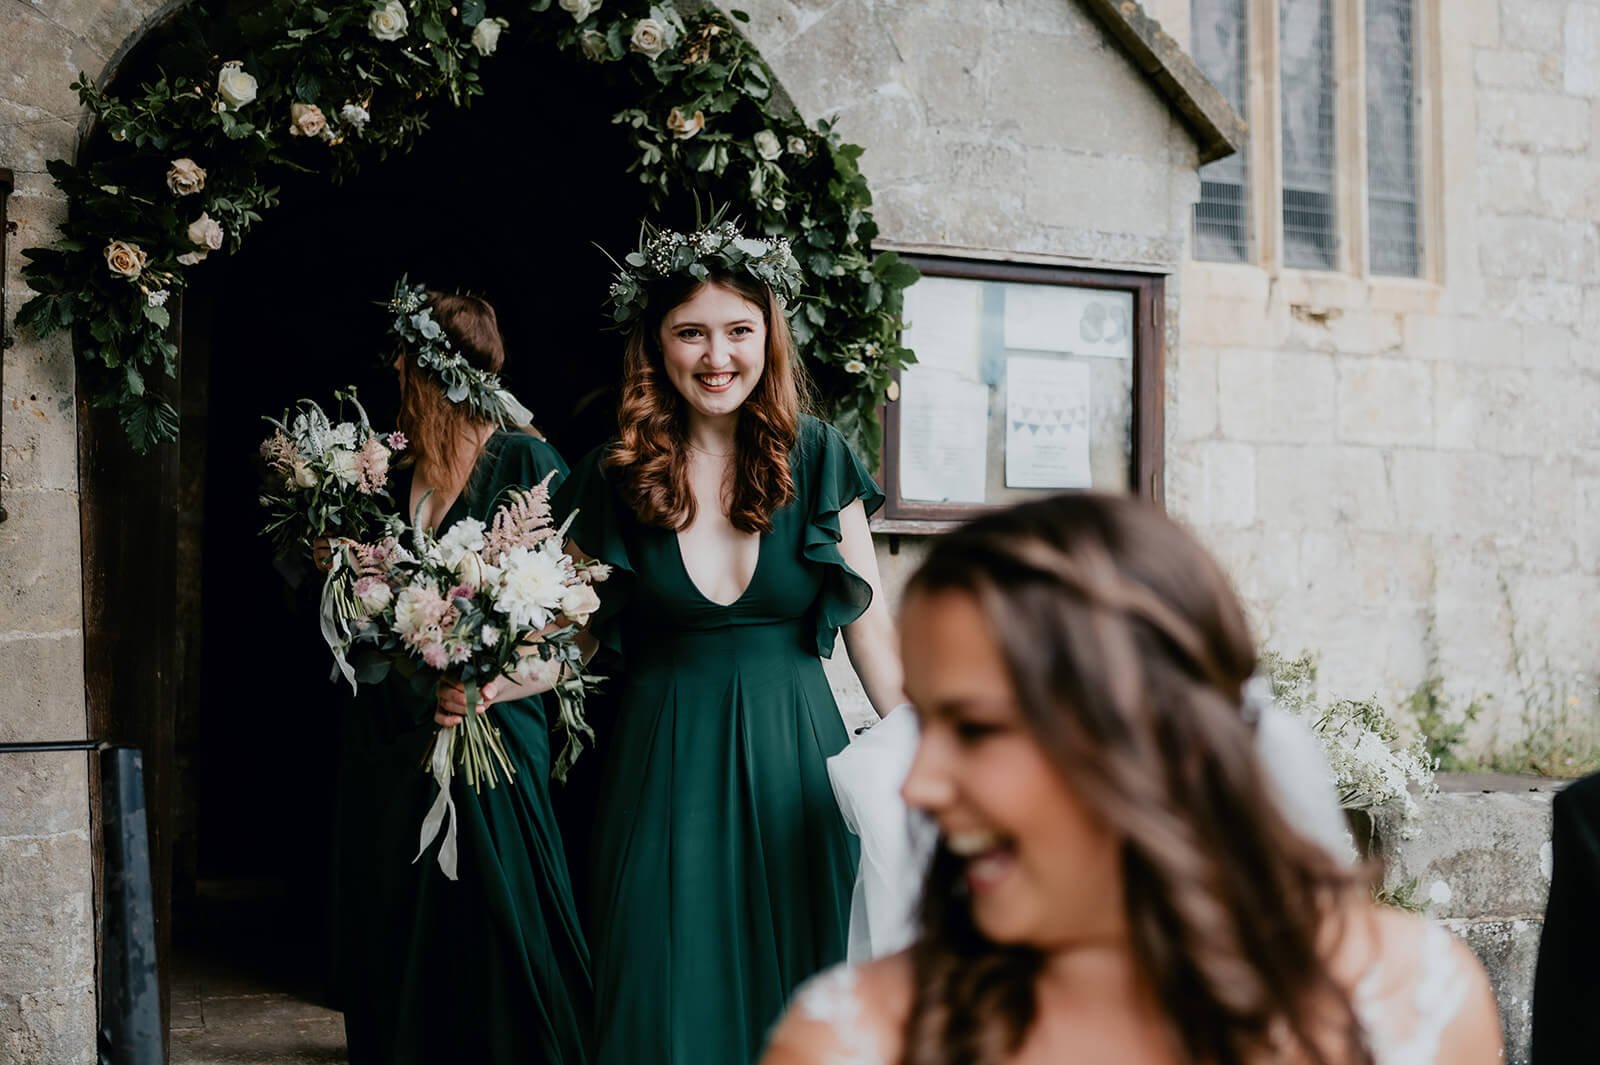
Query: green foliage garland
point(327, 86)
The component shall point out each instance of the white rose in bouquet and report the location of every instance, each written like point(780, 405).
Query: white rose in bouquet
point(306, 120)
point(579, 602)
point(486, 35)
point(206, 232)
point(594, 45)
point(389, 22)
point(470, 570)
point(234, 86)
point(185, 177)
point(373, 594)
point(342, 461)
point(301, 475)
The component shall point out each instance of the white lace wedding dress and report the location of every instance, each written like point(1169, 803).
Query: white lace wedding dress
point(1405, 1019)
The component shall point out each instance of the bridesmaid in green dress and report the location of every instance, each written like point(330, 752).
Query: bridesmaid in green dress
point(491, 968)
point(736, 527)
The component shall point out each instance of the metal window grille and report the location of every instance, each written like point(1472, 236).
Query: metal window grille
point(1222, 51)
point(1310, 210)
point(1392, 107)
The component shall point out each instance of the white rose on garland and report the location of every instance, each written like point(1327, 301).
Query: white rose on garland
point(125, 259)
point(797, 145)
point(186, 177)
point(355, 116)
point(389, 22)
point(306, 120)
point(486, 35)
point(767, 145)
point(649, 38)
point(580, 9)
point(234, 86)
point(684, 127)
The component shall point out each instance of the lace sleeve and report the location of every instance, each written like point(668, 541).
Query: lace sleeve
point(828, 1022)
point(1406, 1021)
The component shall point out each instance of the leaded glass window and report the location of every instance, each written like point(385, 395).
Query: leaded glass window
point(1222, 51)
point(1392, 214)
point(1310, 209)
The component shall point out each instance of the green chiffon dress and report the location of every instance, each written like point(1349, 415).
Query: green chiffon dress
point(489, 968)
point(722, 871)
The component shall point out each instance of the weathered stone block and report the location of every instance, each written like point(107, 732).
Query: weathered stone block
point(1279, 397)
point(1581, 61)
point(1509, 951)
point(1536, 25)
point(43, 680)
point(49, 1025)
point(38, 554)
point(1078, 190)
point(1535, 248)
point(1194, 377)
point(1213, 484)
point(1534, 120)
point(1484, 341)
point(1474, 855)
point(1385, 401)
point(44, 794)
point(1318, 485)
point(1517, 70)
point(1569, 188)
point(1526, 300)
point(1508, 183)
point(46, 949)
point(1459, 494)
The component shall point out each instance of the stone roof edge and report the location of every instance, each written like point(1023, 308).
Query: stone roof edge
point(1210, 119)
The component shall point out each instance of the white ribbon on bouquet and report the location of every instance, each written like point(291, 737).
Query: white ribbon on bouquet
point(443, 808)
point(335, 627)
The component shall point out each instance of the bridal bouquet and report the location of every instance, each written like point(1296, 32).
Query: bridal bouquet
point(481, 602)
point(325, 478)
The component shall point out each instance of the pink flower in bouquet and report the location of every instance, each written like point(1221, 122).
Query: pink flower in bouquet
point(373, 593)
point(372, 466)
point(434, 654)
point(461, 591)
point(419, 607)
point(278, 450)
point(396, 441)
point(532, 669)
point(460, 653)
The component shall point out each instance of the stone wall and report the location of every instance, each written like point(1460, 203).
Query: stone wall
point(47, 1001)
point(1404, 476)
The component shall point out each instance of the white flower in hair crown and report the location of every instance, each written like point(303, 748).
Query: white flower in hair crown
point(421, 333)
point(717, 248)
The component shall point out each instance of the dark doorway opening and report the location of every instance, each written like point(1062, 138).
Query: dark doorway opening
point(507, 199)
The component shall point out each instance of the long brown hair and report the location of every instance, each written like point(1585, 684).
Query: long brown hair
point(434, 426)
point(1129, 653)
point(650, 455)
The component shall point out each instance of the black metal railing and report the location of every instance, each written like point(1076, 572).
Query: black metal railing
point(130, 987)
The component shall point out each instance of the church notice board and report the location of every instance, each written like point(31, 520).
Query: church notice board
point(1029, 380)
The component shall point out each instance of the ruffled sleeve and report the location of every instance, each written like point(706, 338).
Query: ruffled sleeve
point(834, 478)
point(598, 521)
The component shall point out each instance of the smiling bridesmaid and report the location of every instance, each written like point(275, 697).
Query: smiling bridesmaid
point(737, 529)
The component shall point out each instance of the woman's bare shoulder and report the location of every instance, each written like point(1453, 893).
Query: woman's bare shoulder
point(847, 1015)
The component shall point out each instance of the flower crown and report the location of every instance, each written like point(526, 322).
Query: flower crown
point(416, 327)
point(718, 247)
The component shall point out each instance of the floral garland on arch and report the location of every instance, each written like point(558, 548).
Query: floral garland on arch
point(331, 85)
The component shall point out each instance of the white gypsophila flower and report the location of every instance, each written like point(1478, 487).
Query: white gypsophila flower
point(342, 461)
point(486, 35)
point(490, 635)
point(343, 434)
point(389, 22)
point(580, 9)
point(465, 535)
point(855, 366)
point(158, 298)
point(532, 669)
point(234, 86)
point(355, 116)
point(767, 145)
point(532, 582)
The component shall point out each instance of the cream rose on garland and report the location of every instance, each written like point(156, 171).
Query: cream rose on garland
point(580, 9)
point(389, 22)
point(185, 177)
point(204, 233)
point(486, 35)
point(234, 86)
point(767, 145)
point(306, 120)
point(125, 259)
point(594, 45)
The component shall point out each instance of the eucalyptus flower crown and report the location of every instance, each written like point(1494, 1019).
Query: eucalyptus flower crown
point(717, 247)
point(416, 327)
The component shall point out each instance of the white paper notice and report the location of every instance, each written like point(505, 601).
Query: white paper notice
point(1080, 321)
point(1047, 423)
point(944, 433)
point(942, 323)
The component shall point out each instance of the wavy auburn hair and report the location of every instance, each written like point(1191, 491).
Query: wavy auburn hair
point(1129, 652)
point(434, 426)
point(650, 456)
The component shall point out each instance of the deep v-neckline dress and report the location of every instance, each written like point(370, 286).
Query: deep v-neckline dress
point(490, 969)
point(722, 871)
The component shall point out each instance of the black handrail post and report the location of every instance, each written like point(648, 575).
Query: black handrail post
point(130, 988)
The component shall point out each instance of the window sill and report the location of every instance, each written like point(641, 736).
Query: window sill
point(1317, 289)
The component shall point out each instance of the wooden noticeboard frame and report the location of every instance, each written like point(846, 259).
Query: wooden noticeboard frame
point(1145, 467)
